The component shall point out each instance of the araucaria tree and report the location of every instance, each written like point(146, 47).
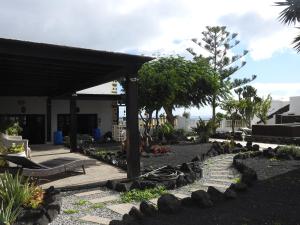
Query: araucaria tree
point(291, 15)
point(170, 82)
point(219, 42)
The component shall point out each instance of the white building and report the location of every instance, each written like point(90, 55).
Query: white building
point(31, 113)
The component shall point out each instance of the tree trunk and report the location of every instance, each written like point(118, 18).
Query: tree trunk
point(157, 120)
point(213, 105)
point(169, 114)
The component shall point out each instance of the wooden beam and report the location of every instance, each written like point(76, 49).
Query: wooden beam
point(49, 116)
point(133, 137)
point(73, 124)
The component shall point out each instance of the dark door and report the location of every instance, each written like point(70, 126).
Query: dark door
point(33, 126)
point(86, 123)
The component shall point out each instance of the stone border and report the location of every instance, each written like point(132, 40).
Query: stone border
point(188, 172)
point(46, 213)
point(170, 204)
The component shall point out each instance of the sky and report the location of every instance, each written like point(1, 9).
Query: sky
point(152, 27)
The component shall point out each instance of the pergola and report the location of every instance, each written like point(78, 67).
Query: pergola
point(37, 69)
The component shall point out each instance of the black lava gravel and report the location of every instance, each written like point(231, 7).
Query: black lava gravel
point(179, 154)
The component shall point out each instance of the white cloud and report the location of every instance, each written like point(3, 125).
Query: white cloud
point(143, 26)
point(278, 91)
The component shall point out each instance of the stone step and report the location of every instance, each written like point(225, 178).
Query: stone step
point(207, 184)
point(122, 208)
point(87, 193)
point(224, 172)
point(95, 219)
point(223, 176)
point(222, 181)
point(109, 198)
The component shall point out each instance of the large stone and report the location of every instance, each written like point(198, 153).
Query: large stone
point(188, 202)
point(239, 187)
point(116, 222)
point(122, 187)
point(230, 194)
point(196, 158)
point(181, 181)
point(129, 220)
point(168, 203)
point(147, 209)
point(135, 185)
point(169, 185)
point(137, 214)
point(111, 184)
point(202, 199)
point(186, 168)
point(255, 147)
point(249, 176)
point(147, 184)
point(215, 194)
point(190, 177)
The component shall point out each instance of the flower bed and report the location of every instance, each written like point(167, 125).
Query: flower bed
point(23, 202)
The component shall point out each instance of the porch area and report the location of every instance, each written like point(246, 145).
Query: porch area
point(55, 155)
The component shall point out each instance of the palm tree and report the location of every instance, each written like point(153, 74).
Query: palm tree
point(291, 15)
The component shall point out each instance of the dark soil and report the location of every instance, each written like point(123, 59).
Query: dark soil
point(267, 168)
point(179, 154)
point(275, 201)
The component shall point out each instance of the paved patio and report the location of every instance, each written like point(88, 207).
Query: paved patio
point(95, 175)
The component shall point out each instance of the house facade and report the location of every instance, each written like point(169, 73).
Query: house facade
point(31, 111)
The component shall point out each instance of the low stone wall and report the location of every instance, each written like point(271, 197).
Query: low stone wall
point(170, 204)
point(44, 214)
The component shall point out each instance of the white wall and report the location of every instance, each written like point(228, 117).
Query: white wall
point(12, 105)
point(295, 105)
point(107, 88)
point(37, 105)
point(103, 109)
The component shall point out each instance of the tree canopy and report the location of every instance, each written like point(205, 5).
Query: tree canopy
point(291, 15)
point(170, 82)
point(217, 41)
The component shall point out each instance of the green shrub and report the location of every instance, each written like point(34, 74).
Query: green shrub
point(204, 130)
point(166, 130)
point(140, 195)
point(16, 148)
point(14, 130)
point(71, 211)
point(19, 190)
point(9, 213)
point(13, 187)
point(290, 150)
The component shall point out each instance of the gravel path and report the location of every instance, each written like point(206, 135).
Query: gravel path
point(69, 199)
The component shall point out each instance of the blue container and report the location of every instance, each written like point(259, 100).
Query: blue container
point(58, 138)
point(97, 134)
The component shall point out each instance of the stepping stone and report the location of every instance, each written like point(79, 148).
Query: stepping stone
point(109, 198)
point(227, 181)
point(181, 196)
point(95, 219)
point(222, 176)
point(121, 208)
point(216, 185)
point(197, 189)
point(154, 201)
point(82, 194)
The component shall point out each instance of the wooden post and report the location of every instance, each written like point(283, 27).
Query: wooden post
point(133, 137)
point(49, 121)
point(73, 124)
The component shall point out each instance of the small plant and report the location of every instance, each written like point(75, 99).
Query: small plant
point(290, 150)
point(36, 197)
point(14, 130)
point(71, 211)
point(237, 180)
point(9, 214)
point(16, 148)
point(204, 130)
point(97, 206)
point(140, 195)
point(81, 202)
